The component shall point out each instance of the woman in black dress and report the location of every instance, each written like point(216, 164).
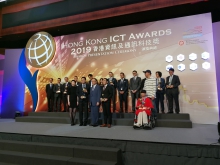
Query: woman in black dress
point(72, 101)
point(100, 82)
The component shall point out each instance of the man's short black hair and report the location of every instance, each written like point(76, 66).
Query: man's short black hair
point(105, 79)
point(171, 69)
point(95, 79)
point(143, 91)
point(90, 75)
point(122, 73)
point(83, 78)
point(159, 73)
point(59, 79)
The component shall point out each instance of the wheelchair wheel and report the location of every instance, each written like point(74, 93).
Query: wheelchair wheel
point(136, 127)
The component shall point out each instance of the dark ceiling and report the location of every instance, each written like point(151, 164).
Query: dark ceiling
point(213, 6)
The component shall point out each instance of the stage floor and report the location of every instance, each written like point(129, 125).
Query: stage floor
point(199, 134)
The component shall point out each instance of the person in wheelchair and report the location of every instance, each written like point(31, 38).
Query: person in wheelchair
point(143, 113)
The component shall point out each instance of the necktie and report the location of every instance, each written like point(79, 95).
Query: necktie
point(134, 78)
point(104, 88)
point(50, 86)
point(93, 87)
point(170, 79)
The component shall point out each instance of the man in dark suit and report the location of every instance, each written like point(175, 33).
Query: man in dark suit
point(172, 91)
point(77, 82)
point(95, 95)
point(160, 91)
point(66, 84)
point(90, 76)
point(122, 86)
point(83, 94)
point(106, 103)
point(135, 83)
point(50, 95)
point(113, 83)
point(57, 95)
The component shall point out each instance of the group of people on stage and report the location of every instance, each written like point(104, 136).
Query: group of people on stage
point(82, 95)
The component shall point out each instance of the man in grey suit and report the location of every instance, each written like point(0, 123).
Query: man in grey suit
point(95, 95)
point(135, 83)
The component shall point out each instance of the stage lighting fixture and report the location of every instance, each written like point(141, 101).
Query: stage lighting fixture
point(17, 114)
point(2, 0)
point(219, 131)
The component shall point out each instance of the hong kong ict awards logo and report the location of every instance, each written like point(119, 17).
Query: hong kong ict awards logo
point(40, 49)
point(39, 52)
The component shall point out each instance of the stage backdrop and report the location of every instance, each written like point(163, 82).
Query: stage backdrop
point(185, 43)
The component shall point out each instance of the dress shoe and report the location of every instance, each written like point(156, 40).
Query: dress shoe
point(81, 125)
point(72, 124)
point(169, 112)
point(91, 125)
point(95, 125)
point(103, 125)
point(177, 112)
point(109, 125)
point(84, 124)
point(163, 112)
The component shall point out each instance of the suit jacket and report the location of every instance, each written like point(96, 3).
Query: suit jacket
point(55, 89)
point(162, 85)
point(78, 83)
point(90, 83)
point(123, 86)
point(135, 84)
point(49, 90)
point(107, 93)
point(114, 81)
point(79, 92)
point(64, 86)
point(95, 95)
point(175, 81)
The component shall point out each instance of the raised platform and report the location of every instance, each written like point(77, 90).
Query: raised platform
point(52, 143)
point(123, 119)
point(35, 153)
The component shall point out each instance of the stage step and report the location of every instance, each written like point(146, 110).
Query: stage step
point(43, 119)
point(173, 116)
point(23, 153)
point(174, 123)
point(124, 119)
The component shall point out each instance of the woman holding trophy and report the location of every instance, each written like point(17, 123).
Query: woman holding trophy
point(72, 101)
point(143, 112)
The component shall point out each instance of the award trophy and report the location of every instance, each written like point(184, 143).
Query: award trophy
point(102, 99)
point(158, 87)
point(58, 89)
point(65, 91)
point(84, 90)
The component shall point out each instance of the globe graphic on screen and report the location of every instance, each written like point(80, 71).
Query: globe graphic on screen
point(40, 49)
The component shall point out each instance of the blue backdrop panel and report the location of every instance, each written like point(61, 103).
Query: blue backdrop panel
point(13, 85)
